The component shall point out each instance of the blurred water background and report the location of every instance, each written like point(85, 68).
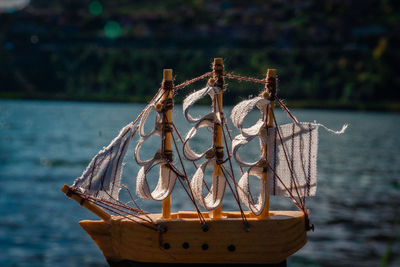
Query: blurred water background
point(45, 144)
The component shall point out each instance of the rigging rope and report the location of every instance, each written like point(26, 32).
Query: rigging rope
point(287, 160)
point(191, 196)
point(120, 208)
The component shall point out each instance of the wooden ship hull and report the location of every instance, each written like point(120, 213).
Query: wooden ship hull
point(268, 240)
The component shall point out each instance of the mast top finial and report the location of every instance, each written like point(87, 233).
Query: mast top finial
point(218, 60)
point(270, 85)
point(271, 73)
point(167, 75)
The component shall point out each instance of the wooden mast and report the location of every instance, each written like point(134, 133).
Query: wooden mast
point(218, 70)
point(269, 94)
point(167, 135)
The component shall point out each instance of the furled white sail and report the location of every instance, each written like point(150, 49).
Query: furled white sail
point(239, 113)
point(145, 136)
point(206, 121)
point(157, 126)
point(189, 101)
point(165, 185)
point(245, 194)
point(102, 177)
point(213, 199)
point(241, 110)
point(167, 177)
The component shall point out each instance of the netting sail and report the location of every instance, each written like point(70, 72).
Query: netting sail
point(290, 160)
point(293, 158)
point(216, 193)
point(102, 177)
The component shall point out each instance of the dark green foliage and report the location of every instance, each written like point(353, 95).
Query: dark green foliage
point(341, 51)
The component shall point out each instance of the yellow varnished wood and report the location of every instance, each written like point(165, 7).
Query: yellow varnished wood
point(166, 204)
point(167, 74)
point(219, 80)
point(217, 213)
point(218, 60)
point(101, 235)
point(268, 240)
point(166, 207)
point(87, 204)
point(271, 73)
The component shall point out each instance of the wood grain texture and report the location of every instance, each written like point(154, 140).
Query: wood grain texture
point(219, 64)
point(87, 204)
point(271, 73)
point(166, 203)
point(269, 240)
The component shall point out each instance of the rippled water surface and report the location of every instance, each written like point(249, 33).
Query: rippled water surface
point(45, 144)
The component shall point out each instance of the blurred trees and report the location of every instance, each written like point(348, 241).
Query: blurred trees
point(344, 51)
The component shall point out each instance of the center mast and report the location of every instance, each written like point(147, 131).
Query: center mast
point(218, 81)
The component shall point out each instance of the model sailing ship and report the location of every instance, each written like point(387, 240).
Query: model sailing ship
point(285, 166)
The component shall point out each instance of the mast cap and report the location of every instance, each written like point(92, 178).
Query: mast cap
point(271, 73)
point(167, 75)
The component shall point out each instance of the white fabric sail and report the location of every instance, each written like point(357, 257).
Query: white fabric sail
point(102, 177)
point(138, 160)
point(239, 141)
point(165, 185)
point(296, 169)
point(166, 177)
point(245, 194)
point(206, 121)
point(291, 162)
point(191, 99)
point(157, 126)
point(299, 169)
point(241, 110)
point(239, 113)
point(213, 199)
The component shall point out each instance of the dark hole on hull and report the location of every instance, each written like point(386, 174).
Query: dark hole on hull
point(185, 245)
point(231, 248)
point(204, 246)
point(167, 246)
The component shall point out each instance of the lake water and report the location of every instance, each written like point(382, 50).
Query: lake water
point(45, 144)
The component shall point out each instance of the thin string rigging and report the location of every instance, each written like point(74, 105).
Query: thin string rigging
point(123, 209)
point(236, 193)
point(185, 177)
point(287, 160)
point(182, 141)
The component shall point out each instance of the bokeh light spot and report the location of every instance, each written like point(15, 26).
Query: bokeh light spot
point(34, 39)
point(112, 29)
point(95, 8)
point(9, 46)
